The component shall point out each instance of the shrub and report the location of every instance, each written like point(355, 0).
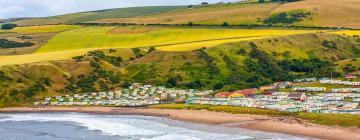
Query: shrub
point(78, 58)
point(242, 51)
point(219, 85)
point(225, 24)
point(4, 43)
point(151, 49)
point(287, 17)
point(329, 44)
point(8, 26)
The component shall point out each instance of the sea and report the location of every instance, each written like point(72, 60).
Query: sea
point(82, 126)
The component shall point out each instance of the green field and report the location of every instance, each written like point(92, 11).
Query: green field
point(245, 13)
point(323, 14)
point(95, 15)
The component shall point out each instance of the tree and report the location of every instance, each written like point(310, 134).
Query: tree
point(242, 51)
point(261, 1)
point(329, 44)
point(126, 84)
point(225, 24)
point(171, 82)
point(151, 49)
point(8, 26)
point(190, 24)
point(219, 85)
point(204, 3)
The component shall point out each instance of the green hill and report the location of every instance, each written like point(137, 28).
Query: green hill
point(96, 15)
point(304, 13)
point(59, 59)
point(322, 13)
point(228, 66)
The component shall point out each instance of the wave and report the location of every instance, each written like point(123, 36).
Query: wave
point(137, 127)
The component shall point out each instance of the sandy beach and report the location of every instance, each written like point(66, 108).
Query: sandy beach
point(286, 125)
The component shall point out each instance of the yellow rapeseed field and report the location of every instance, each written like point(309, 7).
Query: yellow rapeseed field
point(41, 57)
point(349, 32)
point(104, 37)
point(68, 44)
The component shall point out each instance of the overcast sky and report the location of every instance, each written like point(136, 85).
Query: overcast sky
point(42, 8)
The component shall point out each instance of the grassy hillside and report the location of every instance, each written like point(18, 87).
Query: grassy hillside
point(334, 13)
point(95, 15)
point(37, 35)
point(233, 65)
point(77, 40)
point(38, 39)
point(315, 13)
point(247, 13)
point(337, 13)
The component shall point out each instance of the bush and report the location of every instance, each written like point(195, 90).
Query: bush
point(4, 43)
point(151, 49)
point(329, 44)
point(219, 85)
point(8, 26)
point(225, 24)
point(126, 84)
point(78, 58)
point(194, 84)
point(171, 82)
point(287, 17)
point(242, 51)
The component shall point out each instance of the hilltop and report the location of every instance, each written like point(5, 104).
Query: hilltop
point(96, 15)
point(228, 66)
point(313, 13)
point(322, 13)
point(202, 48)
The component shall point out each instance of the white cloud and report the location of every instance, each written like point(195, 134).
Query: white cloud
point(41, 8)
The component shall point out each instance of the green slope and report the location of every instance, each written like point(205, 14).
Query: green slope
point(95, 15)
point(234, 65)
point(322, 14)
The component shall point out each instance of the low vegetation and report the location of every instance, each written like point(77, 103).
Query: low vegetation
point(289, 17)
point(8, 26)
point(226, 109)
point(345, 120)
point(95, 15)
point(4, 43)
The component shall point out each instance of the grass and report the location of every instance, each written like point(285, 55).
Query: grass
point(218, 108)
point(345, 120)
point(95, 15)
point(328, 87)
point(125, 13)
point(38, 39)
point(211, 14)
point(103, 37)
point(355, 63)
point(324, 14)
point(52, 20)
point(42, 29)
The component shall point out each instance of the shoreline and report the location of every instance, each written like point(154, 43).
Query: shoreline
point(285, 125)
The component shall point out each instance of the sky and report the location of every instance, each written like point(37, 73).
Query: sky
point(43, 8)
